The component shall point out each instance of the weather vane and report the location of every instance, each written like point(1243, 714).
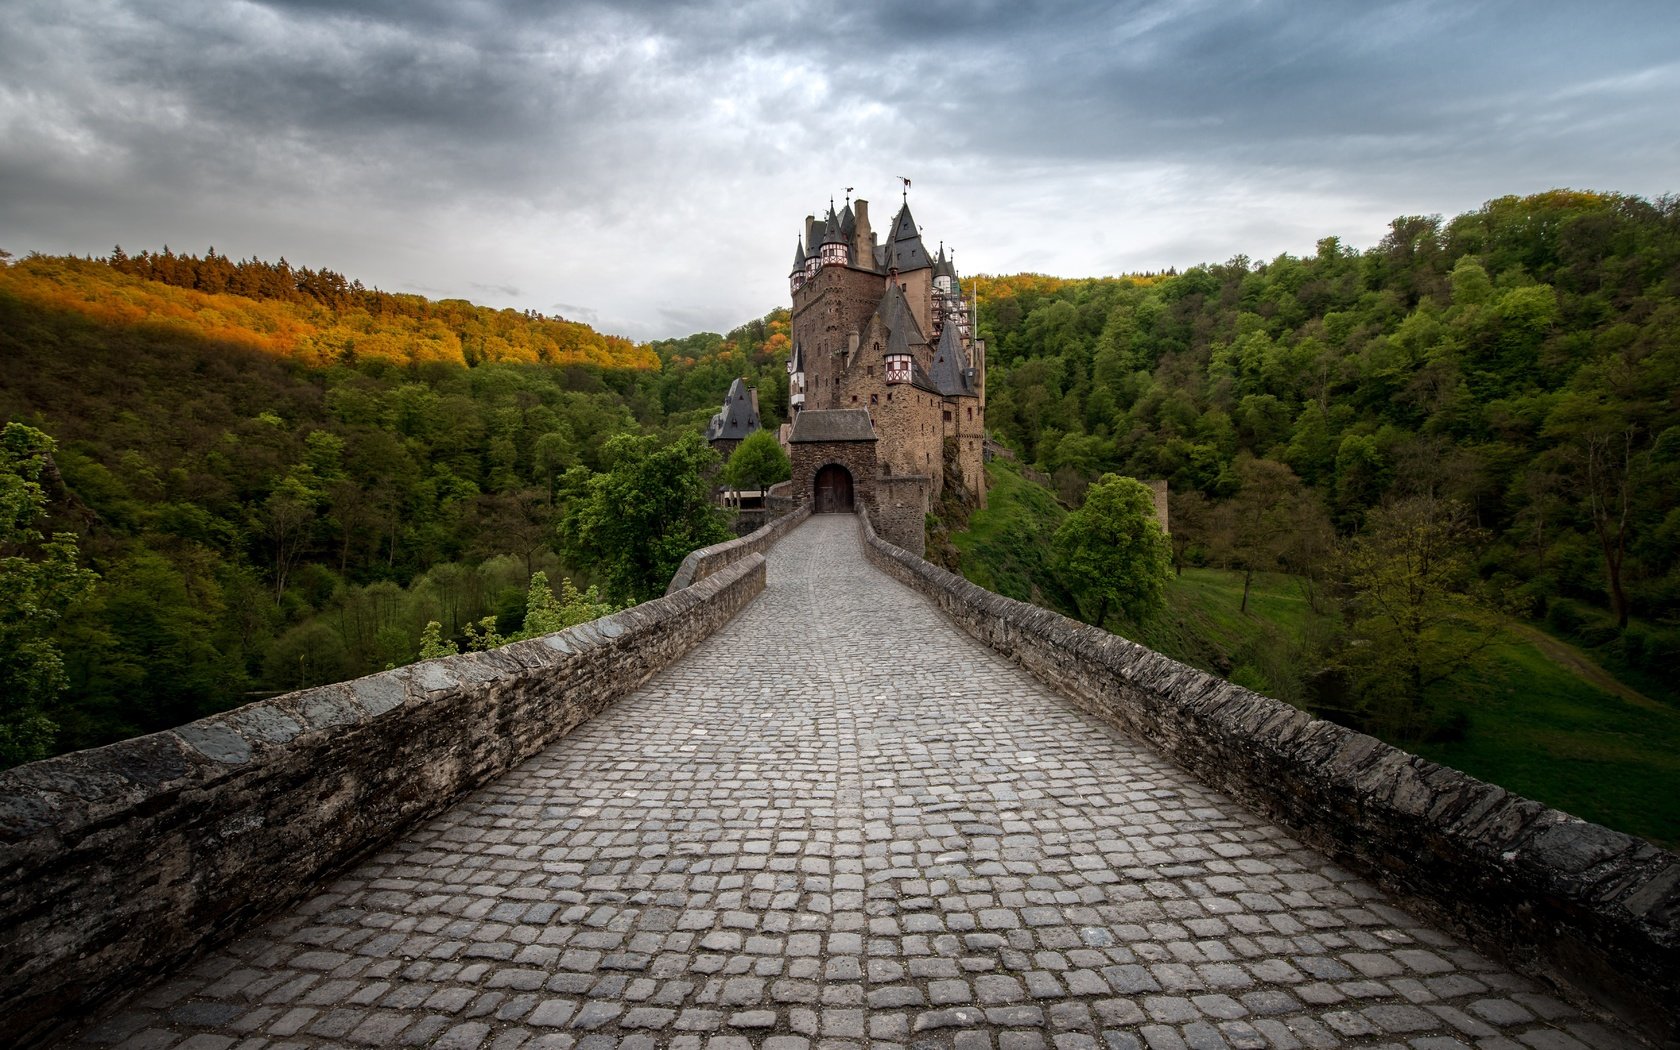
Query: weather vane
point(906, 182)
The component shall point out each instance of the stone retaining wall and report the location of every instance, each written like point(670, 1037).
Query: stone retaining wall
point(119, 863)
point(707, 560)
point(1593, 910)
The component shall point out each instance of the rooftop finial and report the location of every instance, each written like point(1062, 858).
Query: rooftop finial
point(906, 191)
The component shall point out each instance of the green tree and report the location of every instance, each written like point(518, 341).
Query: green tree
point(1415, 618)
point(638, 519)
point(1111, 553)
point(433, 644)
point(1272, 524)
point(545, 613)
point(39, 581)
point(757, 462)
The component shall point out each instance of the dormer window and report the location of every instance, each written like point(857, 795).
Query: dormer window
point(900, 368)
point(834, 255)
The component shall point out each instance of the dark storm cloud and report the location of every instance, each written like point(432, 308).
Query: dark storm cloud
point(562, 150)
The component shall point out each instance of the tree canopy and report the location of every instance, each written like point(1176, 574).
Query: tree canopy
point(40, 581)
point(758, 462)
point(1518, 360)
point(1111, 553)
point(638, 519)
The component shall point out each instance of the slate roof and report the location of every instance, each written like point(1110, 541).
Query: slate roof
point(943, 267)
point(832, 233)
point(895, 313)
point(950, 371)
point(832, 424)
point(796, 360)
point(798, 256)
point(905, 251)
point(737, 418)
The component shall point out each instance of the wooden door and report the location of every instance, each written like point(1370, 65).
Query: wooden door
point(833, 490)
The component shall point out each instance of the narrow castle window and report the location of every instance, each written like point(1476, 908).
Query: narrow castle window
point(874, 399)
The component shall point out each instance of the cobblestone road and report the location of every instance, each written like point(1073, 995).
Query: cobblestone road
point(842, 823)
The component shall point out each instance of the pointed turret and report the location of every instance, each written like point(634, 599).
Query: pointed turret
point(739, 415)
point(905, 251)
point(796, 377)
point(836, 248)
point(943, 268)
point(796, 276)
point(951, 374)
point(897, 317)
point(903, 336)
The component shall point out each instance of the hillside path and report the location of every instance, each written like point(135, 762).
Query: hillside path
point(842, 823)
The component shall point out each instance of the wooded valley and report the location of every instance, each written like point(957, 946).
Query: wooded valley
point(280, 477)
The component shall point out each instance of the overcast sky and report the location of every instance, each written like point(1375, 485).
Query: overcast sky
point(645, 166)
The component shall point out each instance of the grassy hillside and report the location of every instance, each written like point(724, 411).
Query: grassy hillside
point(1541, 718)
point(1004, 548)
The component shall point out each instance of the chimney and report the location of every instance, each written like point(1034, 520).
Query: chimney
point(863, 239)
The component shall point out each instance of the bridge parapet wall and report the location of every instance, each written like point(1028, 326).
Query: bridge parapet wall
point(121, 862)
point(707, 560)
point(1595, 911)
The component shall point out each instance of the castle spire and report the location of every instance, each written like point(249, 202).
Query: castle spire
point(905, 251)
point(835, 249)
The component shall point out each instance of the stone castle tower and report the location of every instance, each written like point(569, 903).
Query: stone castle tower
point(887, 384)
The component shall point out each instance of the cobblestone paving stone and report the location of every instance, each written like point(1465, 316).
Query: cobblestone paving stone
point(840, 823)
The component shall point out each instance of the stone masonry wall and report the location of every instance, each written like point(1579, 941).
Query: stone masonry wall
point(707, 560)
point(910, 431)
point(1593, 910)
point(809, 457)
point(121, 862)
point(901, 506)
point(832, 305)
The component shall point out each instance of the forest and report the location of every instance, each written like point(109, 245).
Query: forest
point(280, 477)
point(1505, 384)
point(284, 487)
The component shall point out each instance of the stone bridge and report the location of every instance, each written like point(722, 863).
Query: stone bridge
point(841, 821)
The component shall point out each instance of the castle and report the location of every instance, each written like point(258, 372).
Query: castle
point(886, 382)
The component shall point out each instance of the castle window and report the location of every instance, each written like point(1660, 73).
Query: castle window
point(901, 368)
point(971, 415)
point(854, 399)
point(874, 399)
point(869, 370)
point(947, 415)
point(889, 395)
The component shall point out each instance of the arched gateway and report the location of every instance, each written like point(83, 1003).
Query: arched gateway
point(833, 453)
point(831, 490)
